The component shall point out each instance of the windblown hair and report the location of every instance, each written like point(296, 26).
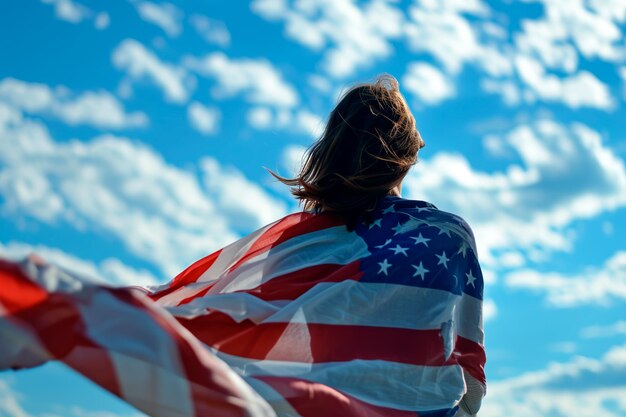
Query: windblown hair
point(369, 144)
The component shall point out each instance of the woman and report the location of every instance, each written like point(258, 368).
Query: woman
point(365, 304)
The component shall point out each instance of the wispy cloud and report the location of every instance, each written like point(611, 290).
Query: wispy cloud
point(615, 329)
point(257, 80)
point(99, 108)
point(110, 270)
point(211, 30)
point(202, 118)
point(592, 286)
point(350, 36)
point(140, 63)
point(164, 15)
point(74, 12)
point(527, 206)
point(113, 185)
point(582, 387)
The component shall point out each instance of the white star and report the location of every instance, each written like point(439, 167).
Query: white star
point(388, 241)
point(376, 223)
point(397, 229)
point(443, 259)
point(390, 209)
point(420, 270)
point(470, 279)
point(384, 266)
point(420, 209)
point(464, 247)
point(420, 239)
point(444, 230)
point(399, 249)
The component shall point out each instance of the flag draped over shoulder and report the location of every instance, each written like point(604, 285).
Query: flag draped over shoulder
point(300, 318)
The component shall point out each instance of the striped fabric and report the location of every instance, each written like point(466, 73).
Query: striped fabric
point(301, 318)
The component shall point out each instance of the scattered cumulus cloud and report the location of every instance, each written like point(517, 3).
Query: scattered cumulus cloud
point(164, 15)
point(75, 12)
point(110, 271)
point(139, 63)
point(212, 31)
point(257, 80)
point(583, 387)
point(99, 109)
point(582, 89)
point(202, 118)
point(427, 83)
point(601, 286)
point(116, 186)
point(350, 36)
point(527, 206)
point(298, 121)
point(69, 10)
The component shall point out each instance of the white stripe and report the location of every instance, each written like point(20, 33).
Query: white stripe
point(353, 303)
point(226, 259)
point(20, 347)
point(386, 384)
point(146, 359)
point(239, 306)
point(334, 245)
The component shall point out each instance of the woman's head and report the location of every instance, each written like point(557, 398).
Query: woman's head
point(369, 144)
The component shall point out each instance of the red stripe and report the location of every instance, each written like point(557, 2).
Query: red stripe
point(18, 292)
point(57, 324)
point(311, 399)
point(291, 226)
point(188, 276)
point(471, 356)
point(211, 390)
point(311, 342)
point(292, 285)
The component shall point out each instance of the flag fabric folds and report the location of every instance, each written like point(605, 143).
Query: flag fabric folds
point(301, 318)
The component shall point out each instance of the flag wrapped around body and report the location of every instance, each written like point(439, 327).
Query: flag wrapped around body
point(301, 318)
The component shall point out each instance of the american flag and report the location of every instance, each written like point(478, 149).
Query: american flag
point(301, 318)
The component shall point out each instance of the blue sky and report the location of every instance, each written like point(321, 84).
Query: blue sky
point(133, 140)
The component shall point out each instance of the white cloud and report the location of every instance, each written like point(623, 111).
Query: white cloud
point(444, 33)
point(102, 21)
point(95, 108)
point(141, 63)
point(211, 30)
point(298, 121)
point(110, 270)
point(204, 119)
point(617, 328)
point(257, 80)
point(427, 83)
point(69, 10)
point(292, 158)
point(584, 387)
point(164, 15)
point(594, 31)
point(582, 89)
point(564, 174)
point(9, 402)
point(601, 286)
point(353, 35)
point(509, 90)
point(260, 117)
point(118, 187)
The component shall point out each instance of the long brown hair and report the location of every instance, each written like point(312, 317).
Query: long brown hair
point(369, 144)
